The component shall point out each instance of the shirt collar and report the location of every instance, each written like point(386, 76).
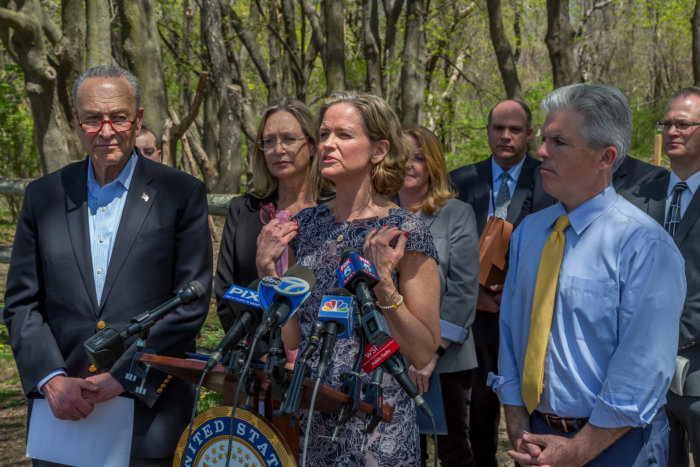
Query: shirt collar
point(497, 170)
point(583, 215)
point(124, 178)
point(693, 183)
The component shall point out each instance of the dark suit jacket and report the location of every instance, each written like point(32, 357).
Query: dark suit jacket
point(651, 198)
point(633, 172)
point(236, 263)
point(162, 243)
point(474, 185)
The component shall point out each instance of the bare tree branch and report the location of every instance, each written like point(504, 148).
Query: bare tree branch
point(178, 131)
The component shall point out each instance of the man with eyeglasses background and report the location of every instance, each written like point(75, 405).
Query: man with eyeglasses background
point(97, 243)
point(674, 202)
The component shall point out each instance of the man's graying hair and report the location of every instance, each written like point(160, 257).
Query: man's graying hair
point(607, 115)
point(109, 71)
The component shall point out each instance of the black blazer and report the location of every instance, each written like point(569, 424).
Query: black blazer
point(162, 243)
point(236, 263)
point(473, 182)
point(633, 172)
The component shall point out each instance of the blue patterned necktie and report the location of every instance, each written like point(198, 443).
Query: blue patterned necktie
point(673, 217)
point(502, 198)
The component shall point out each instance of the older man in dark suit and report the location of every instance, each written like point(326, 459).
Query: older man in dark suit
point(97, 243)
point(505, 185)
point(675, 203)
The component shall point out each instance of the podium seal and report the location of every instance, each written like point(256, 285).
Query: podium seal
point(256, 442)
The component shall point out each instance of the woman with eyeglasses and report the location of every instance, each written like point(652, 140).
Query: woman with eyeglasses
point(426, 193)
point(363, 152)
point(283, 184)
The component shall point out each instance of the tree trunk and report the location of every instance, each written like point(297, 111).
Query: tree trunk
point(274, 90)
point(23, 36)
point(99, 43)
point(504, 54)
point(334, 45)
point(70, 50)
point(373, 46)
point(229, 135)
point(560, 43)
point(413, 71)
point(392, 13)
point(142, 47)
point(695, 26)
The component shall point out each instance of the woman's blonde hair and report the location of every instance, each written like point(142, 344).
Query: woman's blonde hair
point(439, 189)
point(264, 183)
point(380, 123)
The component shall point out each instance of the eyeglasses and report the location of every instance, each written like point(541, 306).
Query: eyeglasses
point(680, 126)
point(268, 144)
point(119, 125)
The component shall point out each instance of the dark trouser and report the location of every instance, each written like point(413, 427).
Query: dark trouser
point(485, 412)
point(454, 448)
point(639, 447)
point(684, 418)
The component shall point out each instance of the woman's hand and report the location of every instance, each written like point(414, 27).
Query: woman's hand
point(378, 249)
point(274, 238)
point(421, 378)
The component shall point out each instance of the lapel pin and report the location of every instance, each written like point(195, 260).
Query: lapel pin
point(144, 197)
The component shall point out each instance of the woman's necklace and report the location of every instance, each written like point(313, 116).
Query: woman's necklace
point(345, 225)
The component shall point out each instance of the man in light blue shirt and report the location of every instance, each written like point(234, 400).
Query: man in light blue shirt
point(611, 348)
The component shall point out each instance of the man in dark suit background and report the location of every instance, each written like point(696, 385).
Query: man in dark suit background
point(97, 243)
point(633, 172)
point(509, 128)
point(675, 203)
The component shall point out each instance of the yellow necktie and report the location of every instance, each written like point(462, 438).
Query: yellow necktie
point(542, 311)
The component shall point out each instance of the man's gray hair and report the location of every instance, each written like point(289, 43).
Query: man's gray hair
point(607, 115)
point(109, 71)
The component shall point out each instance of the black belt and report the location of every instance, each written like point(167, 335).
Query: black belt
point(562, 424)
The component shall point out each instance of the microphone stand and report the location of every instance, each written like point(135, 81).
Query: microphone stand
point(275, 361)
point(351, 383)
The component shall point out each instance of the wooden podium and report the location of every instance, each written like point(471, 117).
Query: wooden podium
point(328, 400)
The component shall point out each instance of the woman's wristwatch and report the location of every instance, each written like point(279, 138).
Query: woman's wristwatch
point(440, 351)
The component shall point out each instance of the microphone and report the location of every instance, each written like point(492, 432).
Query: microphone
point(292, 401)
point(386, 357)
point(358, 274)
point(281, 297)
point(105, 347)
point(336, 313)
point(248, 317)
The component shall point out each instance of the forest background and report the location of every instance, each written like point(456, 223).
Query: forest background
point(209, 67)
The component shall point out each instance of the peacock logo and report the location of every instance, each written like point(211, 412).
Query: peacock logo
point(335, 305)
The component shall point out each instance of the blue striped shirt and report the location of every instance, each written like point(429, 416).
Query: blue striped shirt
point(105, 205)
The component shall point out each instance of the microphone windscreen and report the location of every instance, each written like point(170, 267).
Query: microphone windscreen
point(341, 291)
point(347, 252)
point(191, 292)
point(302, 272)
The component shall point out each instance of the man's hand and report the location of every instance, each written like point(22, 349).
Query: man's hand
point(559, 451)
point(421, 378)
point(555, 451)
point(65, 396)
point(489, 298)
point(106, 388)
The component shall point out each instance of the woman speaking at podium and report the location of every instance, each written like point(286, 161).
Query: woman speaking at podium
point(364, 153)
